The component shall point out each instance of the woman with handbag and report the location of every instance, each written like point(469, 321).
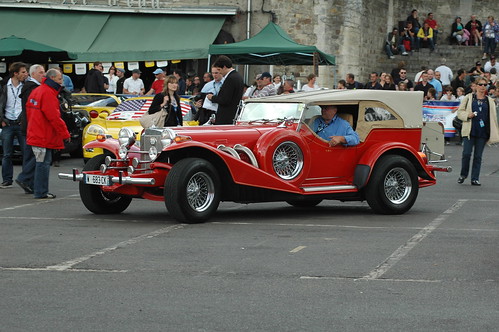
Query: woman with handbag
point(478, 113)
point(167, 103)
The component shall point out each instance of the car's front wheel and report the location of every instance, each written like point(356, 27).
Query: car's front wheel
point(393, 186)
point(98, 201)
point(192, 190)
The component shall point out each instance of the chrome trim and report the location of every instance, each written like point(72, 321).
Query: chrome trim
point(328, 188)
point(114, 179)
point(229, 150)
point(248, 152)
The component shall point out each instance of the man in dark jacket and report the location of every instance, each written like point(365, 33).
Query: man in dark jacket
point(26, 177)
point(120, 72)
point(230, 93)
point(94, 83)
point(46, 129)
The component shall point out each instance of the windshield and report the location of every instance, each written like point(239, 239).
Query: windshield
point(93, 100)
point(270, 112)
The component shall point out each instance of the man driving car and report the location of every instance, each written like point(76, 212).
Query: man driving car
point(334, 129)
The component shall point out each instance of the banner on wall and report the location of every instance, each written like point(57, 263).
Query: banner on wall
point(443, 112)
point(119, 65)
point(67, 68)
point(133, 65)
point(149, 64)
point(162, 63)
point(106, 66)
point(80, 68)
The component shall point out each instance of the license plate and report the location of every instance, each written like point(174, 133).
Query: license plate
point(99, 180)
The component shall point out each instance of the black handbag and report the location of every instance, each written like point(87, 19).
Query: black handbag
point(457, 123)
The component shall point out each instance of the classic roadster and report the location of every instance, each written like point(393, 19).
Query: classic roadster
point(271, 153)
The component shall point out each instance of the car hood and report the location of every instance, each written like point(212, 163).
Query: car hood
point(226, 135)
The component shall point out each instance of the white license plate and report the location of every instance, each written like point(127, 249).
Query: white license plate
point(99, 180)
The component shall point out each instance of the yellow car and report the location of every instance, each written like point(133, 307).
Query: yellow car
point(95, 103)
point(127, 114)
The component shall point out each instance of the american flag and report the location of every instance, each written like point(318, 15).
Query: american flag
point(130, 109)
point(185, 106)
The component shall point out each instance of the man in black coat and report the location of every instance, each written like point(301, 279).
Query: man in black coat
point(94, 83)
point(230, 93)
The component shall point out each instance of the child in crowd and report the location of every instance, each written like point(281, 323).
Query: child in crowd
point(448, 96)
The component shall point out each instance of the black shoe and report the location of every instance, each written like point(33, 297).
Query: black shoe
point(6, 184)
point(27, 189)
point(475, 183)
point(461, 179)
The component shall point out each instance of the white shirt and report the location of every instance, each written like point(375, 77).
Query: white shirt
point(112, 83)
point(13, 106)
point(133, 86)
point(445, 74)
point(488, 66)
point(307, 88)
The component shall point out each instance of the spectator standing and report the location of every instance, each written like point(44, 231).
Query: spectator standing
point(181, 82)
point(425, 34)
point(478, 113)
point(120, 72)
point(67, 83)
point(208, 108)
point(474, 27)
point(170, 100)
point(94, 82)
point(342, 85)
point(231, 92)
point(10, 113)
point(403, 78)
point(46, 129)
point(423, 85)
point(389, 84)
point(352, 83)
point(460, 94)
point(112, 79)
point(311, 85)
point(268, 87)
point(134, 85)
point(196, 85)
point(492, 63)
point(458, 81)
point(207, 77)
point(436, 83)
point(446, 74)
point(490, 37)
point(413, 18)
point(393, 45)
point(373, 83)
point(158, 85)
point(25, 179)
point(432, 23)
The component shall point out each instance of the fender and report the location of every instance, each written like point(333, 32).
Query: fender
point(370, 157)
point(268, 142)
point(110, 144)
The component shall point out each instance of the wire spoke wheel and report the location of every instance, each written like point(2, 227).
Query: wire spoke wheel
point(200, 191)
point(397, 185)
point(287, 160)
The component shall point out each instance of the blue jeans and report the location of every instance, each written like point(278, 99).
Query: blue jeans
point(489, 45)
point(42, 172)
point(388, 49)
point(468, 144)
point(27, 175)
point(8, 135)
point(430, 43)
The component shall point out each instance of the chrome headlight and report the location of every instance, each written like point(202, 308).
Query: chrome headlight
point(167, 136)
point(122, 152)
point(95, 130)
point(126, 136)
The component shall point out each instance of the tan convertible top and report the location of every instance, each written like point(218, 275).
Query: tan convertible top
point(407, 104)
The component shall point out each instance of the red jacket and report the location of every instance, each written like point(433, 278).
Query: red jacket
point(46, 129)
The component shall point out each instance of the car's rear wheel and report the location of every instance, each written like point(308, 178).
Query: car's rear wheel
point(393, 185)
point(98, 201)
point(304, 204)
point(192, 190)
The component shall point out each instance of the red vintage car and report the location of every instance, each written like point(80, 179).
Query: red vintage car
point(271, 154)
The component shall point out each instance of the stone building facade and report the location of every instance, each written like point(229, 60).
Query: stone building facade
point(352, 30)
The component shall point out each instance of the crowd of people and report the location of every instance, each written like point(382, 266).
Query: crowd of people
point(418, 33)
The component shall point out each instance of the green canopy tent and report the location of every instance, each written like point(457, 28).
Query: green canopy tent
point(21, 49)
point(272, 46)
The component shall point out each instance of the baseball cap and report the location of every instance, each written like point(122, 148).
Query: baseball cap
point(265, 74)
point(478, 63)
point(158, 71)
point(136, 71)
point(121, 70)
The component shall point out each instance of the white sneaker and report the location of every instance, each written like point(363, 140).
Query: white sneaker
point(405, 53)
point(392, 57)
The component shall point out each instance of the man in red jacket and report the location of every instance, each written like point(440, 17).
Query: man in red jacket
point(46, 130)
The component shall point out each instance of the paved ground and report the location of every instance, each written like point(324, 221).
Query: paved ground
point(259, 267)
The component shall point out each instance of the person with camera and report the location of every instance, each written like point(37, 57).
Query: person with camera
point(478, 114)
